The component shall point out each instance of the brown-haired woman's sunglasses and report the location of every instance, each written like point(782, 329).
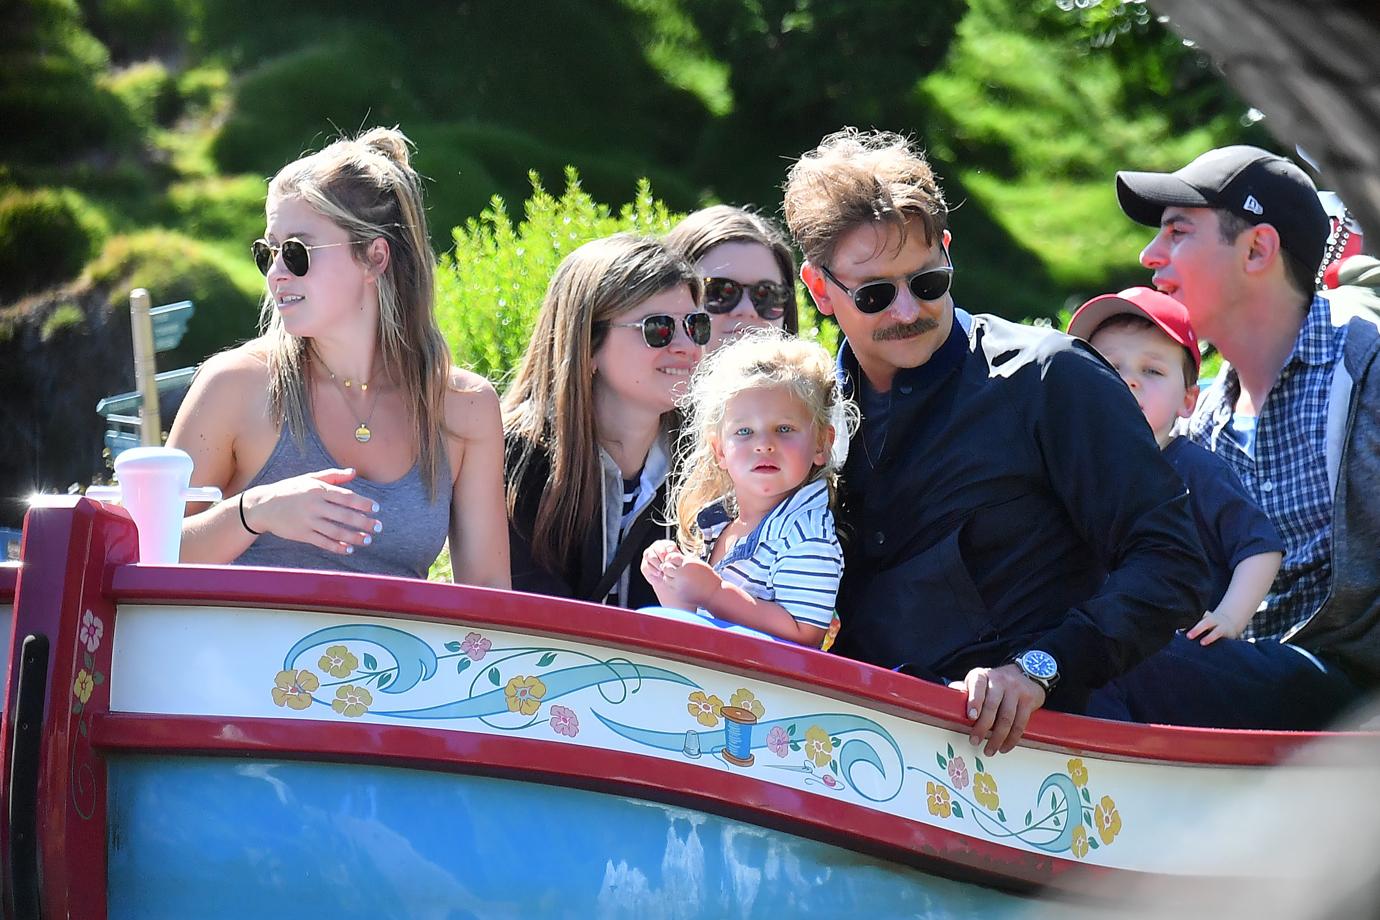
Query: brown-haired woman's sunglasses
point(296, 254)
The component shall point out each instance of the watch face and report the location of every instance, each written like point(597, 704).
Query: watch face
point(1039, 664)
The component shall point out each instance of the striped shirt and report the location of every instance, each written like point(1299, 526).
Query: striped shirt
point(1285, 468)
point(791, 558)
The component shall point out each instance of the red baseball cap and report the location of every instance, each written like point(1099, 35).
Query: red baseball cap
point(1161, 309)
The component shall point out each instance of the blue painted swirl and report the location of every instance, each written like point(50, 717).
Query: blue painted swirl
point(558, 684)
point(415, 660)
point(1073, 809)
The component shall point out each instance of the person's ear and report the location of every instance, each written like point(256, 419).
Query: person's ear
point(716, 445)
point(378, 255)
point(824, 446)
point(818, 286)
point(1263, 248)
point(949, 241)
point(1190, 402)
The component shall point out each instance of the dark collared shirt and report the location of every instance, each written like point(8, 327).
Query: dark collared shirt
point(1018, 501)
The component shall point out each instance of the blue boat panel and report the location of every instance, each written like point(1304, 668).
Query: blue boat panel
point(215, 837)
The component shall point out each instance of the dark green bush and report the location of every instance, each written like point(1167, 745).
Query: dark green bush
point(46, 236)
point(300, 101)
point(148, 92)
point(173, 267)
point(133, 30)
point(220, 208)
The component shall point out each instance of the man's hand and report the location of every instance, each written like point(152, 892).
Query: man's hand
point(1000, 701)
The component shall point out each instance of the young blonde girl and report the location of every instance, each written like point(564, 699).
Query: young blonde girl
point(768, 431)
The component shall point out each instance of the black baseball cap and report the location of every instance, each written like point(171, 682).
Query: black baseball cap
point(1254, 184)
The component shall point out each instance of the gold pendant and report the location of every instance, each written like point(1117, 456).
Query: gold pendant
point(363, 434)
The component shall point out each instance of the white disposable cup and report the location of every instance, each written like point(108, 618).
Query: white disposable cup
point(154, 487)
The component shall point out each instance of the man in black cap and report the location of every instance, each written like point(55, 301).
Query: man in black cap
point(1296, 409)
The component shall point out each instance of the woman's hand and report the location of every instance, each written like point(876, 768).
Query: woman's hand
point(314, 508)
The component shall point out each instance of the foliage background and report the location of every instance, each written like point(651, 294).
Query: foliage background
point(139, 134)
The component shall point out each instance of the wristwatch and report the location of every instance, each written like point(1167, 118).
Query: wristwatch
point(1040, 667)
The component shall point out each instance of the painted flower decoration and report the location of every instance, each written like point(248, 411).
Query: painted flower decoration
point(91, 631)
point(958, 773)
point(475, 646)
point(1078, 773)
point(985, 791)
point(83, 686)
point(705, 709)
point(778, 742)
point(1107, 819)
point(338, 661)
point(818, 748)
point(564, 721)
point(830, 781)
point(293, 689)
point(1080, 841)
point(937, 797)
point(524, 694)
point(351, 701)
point(745, 700)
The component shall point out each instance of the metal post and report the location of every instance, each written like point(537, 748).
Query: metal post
point(141, 329)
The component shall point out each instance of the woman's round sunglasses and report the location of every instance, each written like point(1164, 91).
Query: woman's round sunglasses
point(876, 296)
point(296, 254)
point(659, 329)
point(769, 299)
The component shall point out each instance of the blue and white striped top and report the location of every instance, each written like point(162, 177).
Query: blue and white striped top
point(791, 558)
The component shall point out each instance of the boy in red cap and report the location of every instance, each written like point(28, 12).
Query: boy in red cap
point(1147, 337)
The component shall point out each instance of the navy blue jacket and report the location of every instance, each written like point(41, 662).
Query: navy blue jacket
point(1018, 501)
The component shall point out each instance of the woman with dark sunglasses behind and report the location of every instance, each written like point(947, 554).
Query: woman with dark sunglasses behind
point(590, 421)
point(342, 434)
point(747, 267)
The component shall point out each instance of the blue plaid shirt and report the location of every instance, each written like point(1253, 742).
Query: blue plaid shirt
point(1286, 473)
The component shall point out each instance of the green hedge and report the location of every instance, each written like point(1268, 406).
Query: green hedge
point(172, 267)
point(46, 236)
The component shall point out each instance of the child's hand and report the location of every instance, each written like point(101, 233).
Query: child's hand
point(1214, 626)
point(654, 560)
point(692, 580)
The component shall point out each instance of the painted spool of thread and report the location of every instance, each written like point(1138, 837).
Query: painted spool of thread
point(738, 724)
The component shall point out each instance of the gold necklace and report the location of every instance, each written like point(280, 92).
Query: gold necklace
point(362, 432)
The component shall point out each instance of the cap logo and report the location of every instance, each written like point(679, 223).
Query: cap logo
point(1250, 204)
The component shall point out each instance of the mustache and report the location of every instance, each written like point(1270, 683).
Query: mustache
point(906, 330)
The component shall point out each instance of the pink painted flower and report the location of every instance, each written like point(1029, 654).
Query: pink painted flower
point(475, 646)
point(564, 721)
point(778, 742)
point(91, 631)
point(958, 773)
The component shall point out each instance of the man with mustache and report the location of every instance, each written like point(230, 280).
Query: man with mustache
point(1012, 527)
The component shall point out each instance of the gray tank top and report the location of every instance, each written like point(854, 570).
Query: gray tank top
point(413, 528)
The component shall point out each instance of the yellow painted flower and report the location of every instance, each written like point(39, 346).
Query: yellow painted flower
point(744, 699)
point(293, 689)
point(1078, 773)
point(83, 686)
point(985, 791)
point(818, 747)
point(1080, 841)
point(1107, 819)
point(705, 709)
point(937, 797)
point(352, 701)
point(338, 661)
point(524, 694)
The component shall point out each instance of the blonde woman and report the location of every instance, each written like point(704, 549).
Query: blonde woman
point(342, 433)
point(590, 419)
point(768, 433)
point(747, 267)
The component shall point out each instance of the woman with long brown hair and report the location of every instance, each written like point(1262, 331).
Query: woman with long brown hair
point(589, 420)
point(343, 434)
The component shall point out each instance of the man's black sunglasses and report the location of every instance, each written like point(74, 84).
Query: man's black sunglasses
point(296, 254)
point(659, 329)
point(876, 296)
point(769, 299)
